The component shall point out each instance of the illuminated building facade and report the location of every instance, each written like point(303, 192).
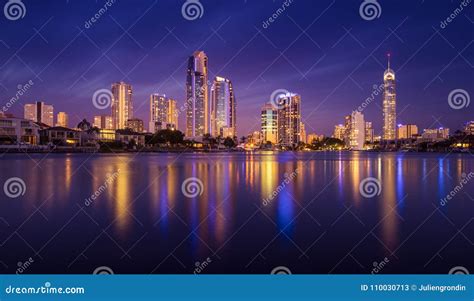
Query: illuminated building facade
point(406, 131)
point(62, 119)
point(163, 113)
point(389, 104)
point(223, 115)
point(289, 120)
point(369, 132)
point(357, 131)
point(103, 122)
point(40, 112)
point(269, 123)
point(339, 130)
point(197, 96)
point(136, 125)
point(122, 105)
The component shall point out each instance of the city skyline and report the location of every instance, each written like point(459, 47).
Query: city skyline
point(334, 78)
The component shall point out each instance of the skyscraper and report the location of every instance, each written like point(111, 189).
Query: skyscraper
point(122, 105)
point(163, 113)
point(223, 116)
point(62, 120)
point(269, 122)
point(197, 96)
point(389, 104)
point(357, 131)
point(40, 112)
point(289, 120)
point(302, 133)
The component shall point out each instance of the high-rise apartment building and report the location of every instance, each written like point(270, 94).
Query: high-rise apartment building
point(40, 112)
point(339, 130)
point(197, 96)
point(122, 104)
point(269, 123)
point(406, 131)
point(369, 132)
point(136, 125)
point(223, 115)
point(103, 122)
point(389, 104)
point(357, 131)
point(163, 113)
point(289, 120)
point(62, 119)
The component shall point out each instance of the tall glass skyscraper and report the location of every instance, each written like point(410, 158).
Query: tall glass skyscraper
point(197, 96)
point(122, 105)
point(223, 115)
point(389, 104)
